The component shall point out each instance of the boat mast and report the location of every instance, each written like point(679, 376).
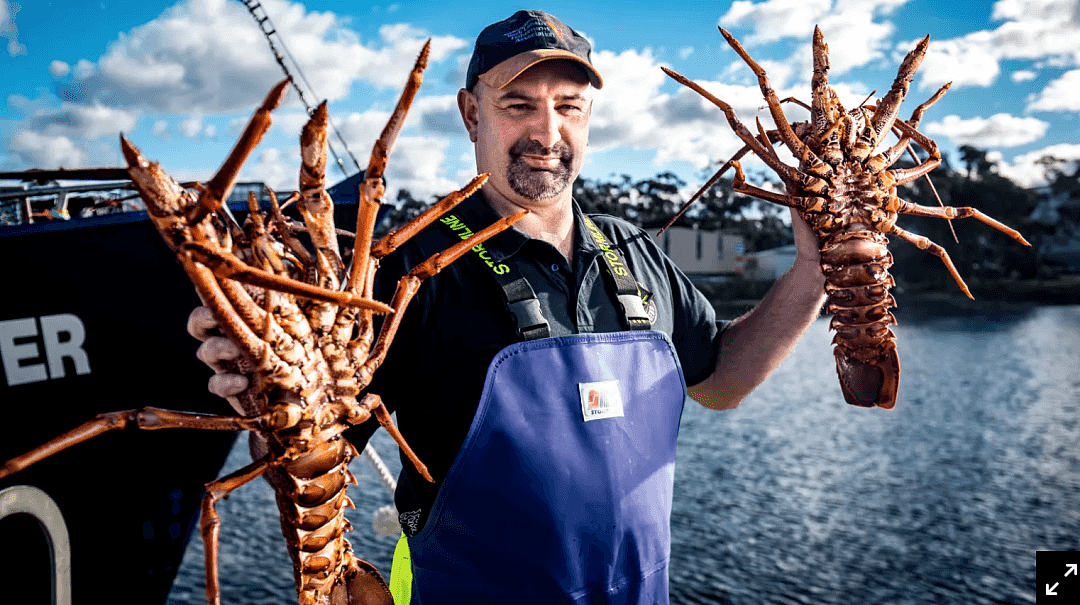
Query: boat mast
point(276, 42)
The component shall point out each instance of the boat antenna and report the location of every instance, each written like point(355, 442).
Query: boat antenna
point(275, 40)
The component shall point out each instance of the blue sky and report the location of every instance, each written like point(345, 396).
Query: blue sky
point(180, 78)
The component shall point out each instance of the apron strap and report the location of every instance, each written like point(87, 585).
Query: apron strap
point(627, 290)
point(518, 296)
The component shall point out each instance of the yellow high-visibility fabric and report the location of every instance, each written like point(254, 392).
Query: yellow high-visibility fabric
point(401, 573)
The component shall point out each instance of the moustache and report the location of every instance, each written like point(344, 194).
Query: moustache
point(531, 147)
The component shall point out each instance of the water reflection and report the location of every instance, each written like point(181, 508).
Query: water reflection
point(946, 498)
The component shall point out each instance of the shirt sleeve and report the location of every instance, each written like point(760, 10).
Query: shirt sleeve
point(696, 332)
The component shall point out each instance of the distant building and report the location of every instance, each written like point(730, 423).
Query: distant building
point(769, 264)
point(699, 251)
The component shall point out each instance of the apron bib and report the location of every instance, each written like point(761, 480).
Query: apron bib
point(561, 492)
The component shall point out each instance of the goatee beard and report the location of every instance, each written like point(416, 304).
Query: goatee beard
point(534, 183)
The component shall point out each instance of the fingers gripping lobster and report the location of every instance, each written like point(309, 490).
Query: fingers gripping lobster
point(845, 189)
point(304, 321)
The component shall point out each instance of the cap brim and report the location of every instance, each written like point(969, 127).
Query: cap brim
point(503, 73)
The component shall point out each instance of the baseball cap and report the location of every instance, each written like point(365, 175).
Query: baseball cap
point(507, 48)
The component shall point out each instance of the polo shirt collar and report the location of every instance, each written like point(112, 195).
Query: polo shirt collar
point(582, 240)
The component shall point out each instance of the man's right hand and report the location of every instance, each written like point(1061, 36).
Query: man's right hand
point(217, 352)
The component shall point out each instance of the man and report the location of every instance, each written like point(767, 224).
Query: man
point(542, 379)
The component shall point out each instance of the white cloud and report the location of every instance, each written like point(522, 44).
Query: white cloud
point(623, 110)
point(968, 61)
point(81, 121)
point(84, 69)
point(52, 137)
point(278, 168)
point(361, 129)
point(774, 20)
point(1025, 170)
point(201, 58)
point(289, 123)
point(852, 28)
point(686, 51)
point(1022, 75)
point(631, 111)
point(191, 126)
point(437, 115)
point(417, 162)
point(1043, 30)
point(37, 149)
point(1059, 95)
point(59, 69)
point(999, 130)
point(8, 29)
point(209, 56)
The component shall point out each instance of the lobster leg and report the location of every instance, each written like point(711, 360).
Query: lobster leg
point(903, 176)
point(148, 418)
point(951, 212)
point(213, 196)
point(315, 204)
point(787, 135)
point(392, 240)
point(787, 173)
point(886, 112)
point(824, 100)
point(167, 198)
point(284, 228)
point(408, 286)
point(371, 191)
point(887, 157)
point(226, 265)
point(805, 203)
point(925, 244)
point(712, 181)
point(372, 404)
point(819, 85)
point(210, 522)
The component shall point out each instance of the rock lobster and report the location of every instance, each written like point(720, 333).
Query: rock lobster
point(303, 320)
point(846, 192)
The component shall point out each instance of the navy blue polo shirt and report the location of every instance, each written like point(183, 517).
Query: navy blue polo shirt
point(435, 368)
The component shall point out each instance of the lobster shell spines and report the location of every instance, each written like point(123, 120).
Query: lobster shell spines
point(847, 194)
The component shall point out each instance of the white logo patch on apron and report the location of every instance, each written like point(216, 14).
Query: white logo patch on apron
point(600, 400)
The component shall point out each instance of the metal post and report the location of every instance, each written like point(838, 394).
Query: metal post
point(33, 501)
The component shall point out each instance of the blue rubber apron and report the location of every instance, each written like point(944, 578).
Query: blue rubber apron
point(561, 492)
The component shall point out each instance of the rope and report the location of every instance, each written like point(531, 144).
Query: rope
point(268, 30)
point(384, 521)
point(380, 467)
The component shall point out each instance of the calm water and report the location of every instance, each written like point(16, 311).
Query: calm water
point(797, 497)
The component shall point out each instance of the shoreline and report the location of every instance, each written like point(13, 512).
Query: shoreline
point(733, 298)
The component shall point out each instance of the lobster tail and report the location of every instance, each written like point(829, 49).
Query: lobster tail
point(869, 384)
point(310, 491)
point(856, 266)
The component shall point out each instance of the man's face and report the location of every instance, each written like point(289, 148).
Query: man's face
point(531, 134)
